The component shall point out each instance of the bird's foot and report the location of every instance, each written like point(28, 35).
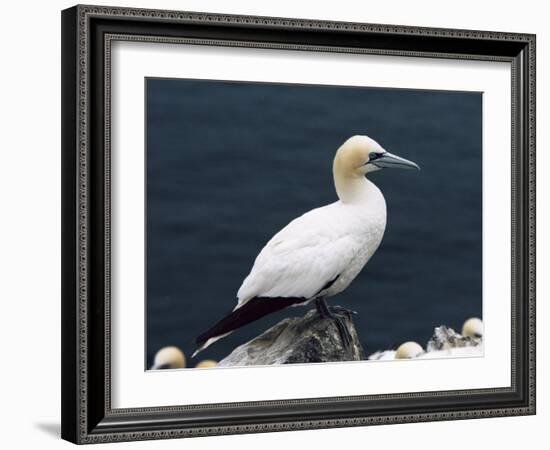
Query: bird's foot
point(341, 310)
point(338, 315)
point(345, 335)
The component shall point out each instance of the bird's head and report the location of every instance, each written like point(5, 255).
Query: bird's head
point(473, 328)
point(360, 155)
point(169, 358)
point(409, 350)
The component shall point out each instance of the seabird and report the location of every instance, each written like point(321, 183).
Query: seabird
point(473, 328)
point(409, 350)
point(318, 254)
point(206, 364)
point(169, 358)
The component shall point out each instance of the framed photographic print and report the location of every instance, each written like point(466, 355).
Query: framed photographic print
point(281, 224)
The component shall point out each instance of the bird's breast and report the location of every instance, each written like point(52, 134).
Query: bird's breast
point(368, 230)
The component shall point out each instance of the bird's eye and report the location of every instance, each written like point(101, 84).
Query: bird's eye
point(374, 155)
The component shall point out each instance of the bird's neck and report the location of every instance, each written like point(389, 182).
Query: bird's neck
point(355, 189)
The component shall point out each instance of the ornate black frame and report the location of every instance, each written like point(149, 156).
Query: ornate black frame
point(87, 32)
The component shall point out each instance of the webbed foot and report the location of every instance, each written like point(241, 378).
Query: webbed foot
point(338, 314)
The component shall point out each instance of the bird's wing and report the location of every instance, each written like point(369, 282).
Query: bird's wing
point(302, 258)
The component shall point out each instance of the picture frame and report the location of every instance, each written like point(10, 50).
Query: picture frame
point(88, 33)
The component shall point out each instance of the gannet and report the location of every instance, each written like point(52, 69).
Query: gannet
point(169, 358)
point(409, 350)
point(206, 364)
point(473, 328)
point(318, 254)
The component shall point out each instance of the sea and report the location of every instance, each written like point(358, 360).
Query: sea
point(228, 164)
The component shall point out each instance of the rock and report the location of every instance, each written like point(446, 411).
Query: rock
point(307, 339)
point(444, 343)
point(382, 355)
point(445, 338)
point(454, 352)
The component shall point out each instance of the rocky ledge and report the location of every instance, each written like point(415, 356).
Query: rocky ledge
point(306, 339)
point(312, 339)
point(445, 338)
point(444, 343)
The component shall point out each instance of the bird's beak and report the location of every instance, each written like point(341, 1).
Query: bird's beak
point(387, 160)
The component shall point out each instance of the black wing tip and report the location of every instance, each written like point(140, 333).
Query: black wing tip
point(199, 343)
point(200, 340)
point(250, 311)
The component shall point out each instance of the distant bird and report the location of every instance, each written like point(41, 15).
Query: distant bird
point(318, 254)
point(169, 358)
point(206, 364)
point(409, 350)
point(473, 328)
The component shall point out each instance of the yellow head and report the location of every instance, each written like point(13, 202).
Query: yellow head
point(473, 328)
point(358, 156)
point(409, 350)
point(169, 358)
point(206, 364)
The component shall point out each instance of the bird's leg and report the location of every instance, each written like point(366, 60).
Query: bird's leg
point(322, 308)
point(336, 314)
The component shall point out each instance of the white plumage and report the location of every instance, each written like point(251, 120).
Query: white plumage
point(315, 248)
point(318, 254)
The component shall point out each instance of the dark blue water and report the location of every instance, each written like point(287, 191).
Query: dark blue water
point(229, 164)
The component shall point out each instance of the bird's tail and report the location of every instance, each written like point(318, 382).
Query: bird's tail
point(250, 311)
